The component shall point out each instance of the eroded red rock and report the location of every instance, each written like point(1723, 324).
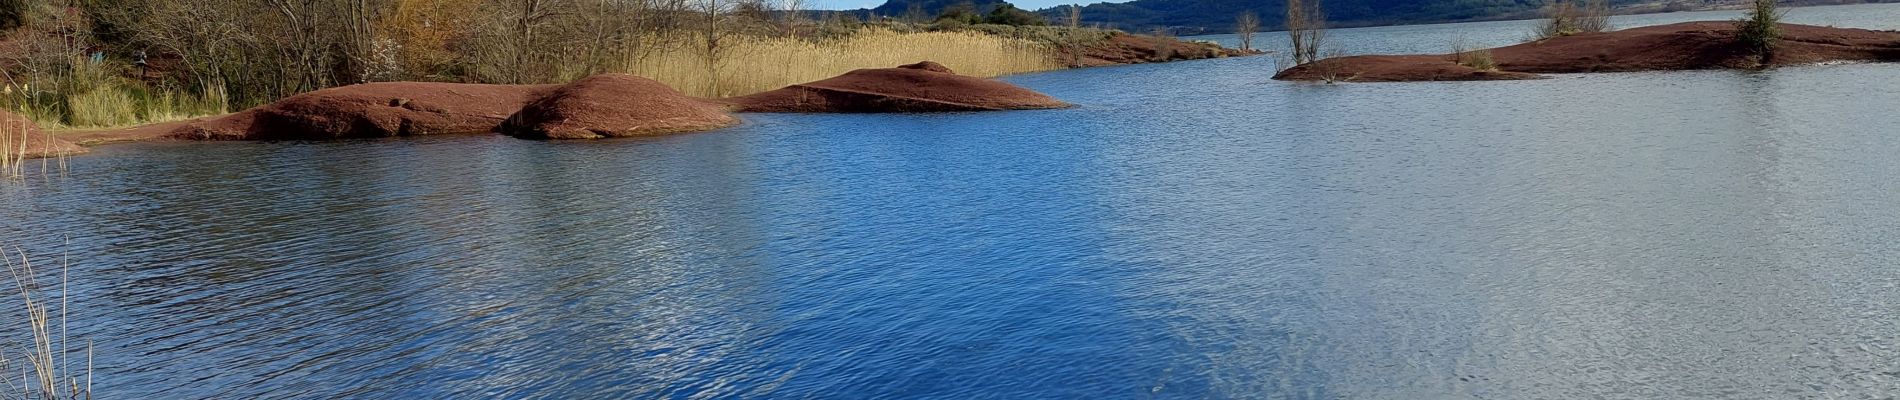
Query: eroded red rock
point(614, 105)
point(922, 87)
point(372, 110)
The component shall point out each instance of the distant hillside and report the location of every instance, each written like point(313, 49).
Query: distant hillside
point(903, 8)
point(1217, 16)
point(1212, 16)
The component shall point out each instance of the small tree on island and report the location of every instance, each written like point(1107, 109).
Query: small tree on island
point(1760, 31)
point(1306, 28)
point(1245, 25)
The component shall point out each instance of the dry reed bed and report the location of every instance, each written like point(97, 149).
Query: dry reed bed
point(45, 366)
point(757, 64)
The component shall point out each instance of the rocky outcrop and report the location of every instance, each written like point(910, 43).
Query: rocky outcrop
point(601, 106)
point(372, 110)
point(614, 105)
point(921, 87)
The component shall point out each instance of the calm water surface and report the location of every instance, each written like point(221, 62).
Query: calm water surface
point(1192, 230)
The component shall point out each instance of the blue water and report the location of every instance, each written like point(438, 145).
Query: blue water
point(1190, 230)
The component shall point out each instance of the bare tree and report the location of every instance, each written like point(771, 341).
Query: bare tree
point(794, 16)
point(714, 11)
point(527, 53)
point(1245, 25)
point(1306, 27)
point(1565, 18)
point(1596, 16)
point(1075, 16)
point(914, 13)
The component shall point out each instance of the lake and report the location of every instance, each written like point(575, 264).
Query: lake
point(1190, 230)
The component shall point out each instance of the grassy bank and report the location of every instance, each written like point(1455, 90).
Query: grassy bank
point(757, 64)
point(97, 95)
point(113, 63)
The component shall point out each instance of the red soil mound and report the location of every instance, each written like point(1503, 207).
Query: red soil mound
point(922, 87)
point(1124, 48)
point(1682, 46)
point(1693, 45)
point(1394, 69)
point(614, 105)
point(372, 110)
point(931, 66)
point(21, 138)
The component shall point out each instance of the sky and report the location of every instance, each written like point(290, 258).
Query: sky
point(1024, 4)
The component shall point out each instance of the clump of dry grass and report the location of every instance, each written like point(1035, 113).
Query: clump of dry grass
point(15, 139)
point(1465, 55)
point(751, 64)
point(46, 371)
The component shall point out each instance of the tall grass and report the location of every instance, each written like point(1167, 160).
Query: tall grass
point(45, 367)
point(16, 139)
point(752, 64)
point(85, 94)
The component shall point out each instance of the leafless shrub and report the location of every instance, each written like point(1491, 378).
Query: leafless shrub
point(1565, 18)
point(1306, 28)
point(1245, 25)
point(1331, 68)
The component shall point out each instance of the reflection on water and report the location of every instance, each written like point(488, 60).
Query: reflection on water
point(1192, 230)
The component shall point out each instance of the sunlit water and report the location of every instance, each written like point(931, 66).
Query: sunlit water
point(1191, 230)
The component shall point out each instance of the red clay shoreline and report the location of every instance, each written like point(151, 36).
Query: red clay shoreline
point(611, 105)
point(1680, 46)
point(600, 106)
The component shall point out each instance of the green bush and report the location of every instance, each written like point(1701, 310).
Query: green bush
point(1006, 14)
point(1761, 29)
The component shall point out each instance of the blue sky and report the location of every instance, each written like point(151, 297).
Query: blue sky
point(1026, 4)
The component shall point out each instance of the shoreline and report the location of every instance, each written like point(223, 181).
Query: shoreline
point(1697, 45)
point(1121, 49)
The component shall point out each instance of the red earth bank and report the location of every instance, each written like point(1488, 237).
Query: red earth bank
point(1681, 46)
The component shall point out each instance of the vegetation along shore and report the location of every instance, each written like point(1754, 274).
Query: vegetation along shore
point(91, 72)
